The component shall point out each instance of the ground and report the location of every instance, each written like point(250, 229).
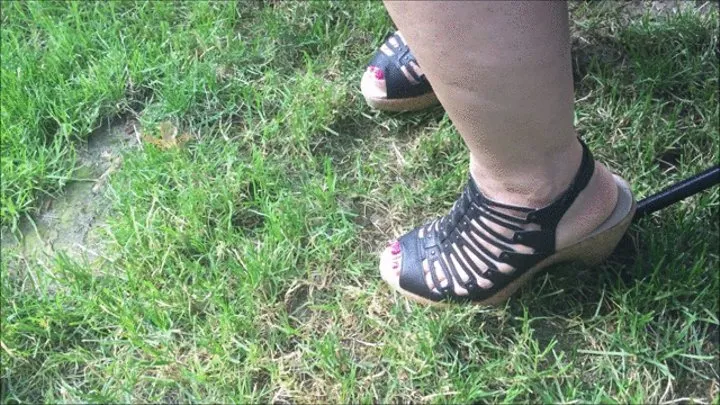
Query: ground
point(194, 196)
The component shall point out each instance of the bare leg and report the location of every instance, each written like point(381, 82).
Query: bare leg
point(502, 71)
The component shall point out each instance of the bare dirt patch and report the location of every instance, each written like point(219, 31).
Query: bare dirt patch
point(71, 223)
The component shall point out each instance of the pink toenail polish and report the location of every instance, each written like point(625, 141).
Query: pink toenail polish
point(395, 266)
point(378, 73)
point(395, 248)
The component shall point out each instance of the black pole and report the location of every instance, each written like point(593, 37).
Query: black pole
point(679, 191)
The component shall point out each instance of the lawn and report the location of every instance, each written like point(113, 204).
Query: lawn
point(239, 258)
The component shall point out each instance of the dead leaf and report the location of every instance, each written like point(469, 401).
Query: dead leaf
point(168, 132)
point(183, 138)
point(168, 137)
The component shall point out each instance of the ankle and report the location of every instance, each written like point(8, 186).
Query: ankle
point(528, 184)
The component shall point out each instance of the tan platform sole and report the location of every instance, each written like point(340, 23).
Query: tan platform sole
point(403, 104)
point(591, 251)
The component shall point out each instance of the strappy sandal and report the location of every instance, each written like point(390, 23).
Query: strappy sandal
point(407, 88)
point(524, 236)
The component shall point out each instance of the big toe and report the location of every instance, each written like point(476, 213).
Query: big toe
point(390, 264)
point(372, 83)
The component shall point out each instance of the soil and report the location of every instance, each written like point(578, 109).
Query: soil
point(72, 223)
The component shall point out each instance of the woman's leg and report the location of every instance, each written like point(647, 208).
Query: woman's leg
point(502, 70)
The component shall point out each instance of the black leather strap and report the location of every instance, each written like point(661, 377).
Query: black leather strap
point(412, 275)
point(397, 84)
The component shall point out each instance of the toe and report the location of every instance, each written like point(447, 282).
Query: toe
point(373, 83)
point(390, 264)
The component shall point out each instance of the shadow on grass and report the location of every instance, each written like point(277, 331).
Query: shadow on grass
point(574, 291)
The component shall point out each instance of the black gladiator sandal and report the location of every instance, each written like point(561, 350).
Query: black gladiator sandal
point(454, 239)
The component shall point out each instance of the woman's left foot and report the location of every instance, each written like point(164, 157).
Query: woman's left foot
point(484, 250)
point(394, 81)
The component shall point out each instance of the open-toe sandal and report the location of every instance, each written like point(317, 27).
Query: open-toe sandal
point(483, 251)
point(406, 87)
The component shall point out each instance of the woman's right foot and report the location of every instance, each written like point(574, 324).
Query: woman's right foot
point(394, 81)
point(484, 249)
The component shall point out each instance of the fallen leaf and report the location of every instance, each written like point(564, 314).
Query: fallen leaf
point(168, 137)
point(168, 132)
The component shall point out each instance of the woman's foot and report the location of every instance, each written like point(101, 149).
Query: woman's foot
point(394, 81)
point(485, 248)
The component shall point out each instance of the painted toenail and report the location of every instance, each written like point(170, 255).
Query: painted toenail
point(395, 248)
point(395, 266)
point(379, 75)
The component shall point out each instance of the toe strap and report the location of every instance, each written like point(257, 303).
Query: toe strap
point(412, 275)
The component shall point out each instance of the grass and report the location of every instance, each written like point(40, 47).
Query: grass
point(241, 267)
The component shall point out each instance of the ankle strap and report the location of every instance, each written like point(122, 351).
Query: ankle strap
point(549, 216)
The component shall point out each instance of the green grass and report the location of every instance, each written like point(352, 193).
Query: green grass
point(244, 263)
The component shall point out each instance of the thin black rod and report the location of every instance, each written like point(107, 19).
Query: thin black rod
point(679, 191)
